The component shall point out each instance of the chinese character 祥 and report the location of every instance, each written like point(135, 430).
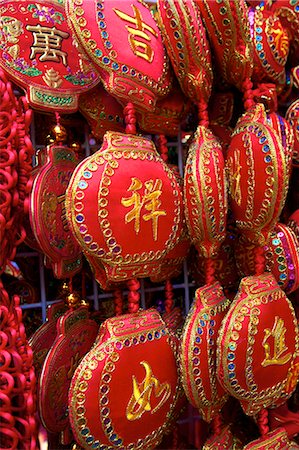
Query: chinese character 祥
point(149, 201)
point(140, 402)
point(48, 42)
point(278, 354)
point(138, 34)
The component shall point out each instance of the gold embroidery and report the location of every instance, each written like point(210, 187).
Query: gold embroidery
point(139, 403)
point(139, 48)
point(48, 41)
point(278, 333)
point(235, 176)
point(150, 201)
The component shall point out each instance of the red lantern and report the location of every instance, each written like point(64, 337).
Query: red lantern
point(75, 335)
point(258, 175)
point(198, 355)
point(123, 42)
point(277, 438)
point(292, 115)
point(39, 54)
point(47, 212)
point(124, 206)
point(121, 395)
point(258, 345)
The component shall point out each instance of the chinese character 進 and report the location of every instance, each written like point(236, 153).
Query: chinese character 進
point(140, 402)
point(138, 35)
point(278, 347)
point(150, 201)
point(48, 42)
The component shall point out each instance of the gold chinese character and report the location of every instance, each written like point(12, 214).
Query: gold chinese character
point(235, 176)
point(138, 34)
point(48, 41)
point(150, 201)
point(278, 347)
point(140, 402)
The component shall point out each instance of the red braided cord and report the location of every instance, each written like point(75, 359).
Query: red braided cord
point(118, 302)
point(130, 118)
point(169, 295)
point(259, 259)
point(217, 424)
point(262, 421)
point(203, 116)
point(162, 147)
point(248, 94)
point(133, 295)
point(210, 271)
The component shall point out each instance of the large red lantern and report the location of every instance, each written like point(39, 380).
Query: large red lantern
point(124, 43)
point(38, 52)
point(124, 206)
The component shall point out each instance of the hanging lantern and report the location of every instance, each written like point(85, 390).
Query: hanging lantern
point(258, 175)
point(138, 201)
point(227, 28)
point(121, 395)
point(47, 212)
point(76, 333)
point(124, 43)
point(292, 116)
point(258, 345)
point(282, 257)
point(271, 46)
point(198, 356)
point(38, 52)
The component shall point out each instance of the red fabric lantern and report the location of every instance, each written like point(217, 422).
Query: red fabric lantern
point(43, 338)
point(187, 46)
point(124, 206)
point(228, 31)
point(205, 193)
point(75, 335)
point(258, 175)
point(124, 43)
point(121, 395)
point(198, 351)
point(257, 359)
point(271, 46)
point(283, 416)
point(281, 257)
point(47, 212)
point(39, 54)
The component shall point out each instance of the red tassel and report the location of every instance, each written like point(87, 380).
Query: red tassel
point(130, 118)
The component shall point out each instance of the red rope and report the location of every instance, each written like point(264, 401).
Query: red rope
point(169, 297)
point(133, 295)
point(130, 118)
point(217, 424)
point(262, 421)
point(203, 116)
point(162, 146)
